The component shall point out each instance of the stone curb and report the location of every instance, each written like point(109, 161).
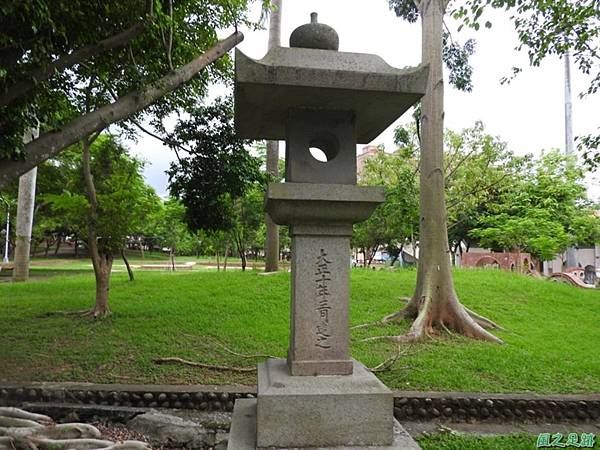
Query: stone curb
point(201, 397)
point(470, 407)
point(408, 405)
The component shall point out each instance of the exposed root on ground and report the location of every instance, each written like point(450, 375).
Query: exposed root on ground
point(97, 313)
point(215, 343)
point(78, 312)
point(22, 430)
point(482, 321)
point(173, 360)
point(448, 315)
point(389, 363)
point(234, 353)
point(94, 313)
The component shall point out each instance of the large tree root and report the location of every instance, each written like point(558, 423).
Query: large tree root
point(22, 430)
point(97, 313)
point(450, 316)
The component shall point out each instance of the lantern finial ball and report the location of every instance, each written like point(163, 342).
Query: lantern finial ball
point(315, 35)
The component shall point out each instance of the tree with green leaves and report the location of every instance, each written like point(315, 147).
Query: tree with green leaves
point(170, 230)
point(124, 59)
point(104, 200)
point(478, 169)
point(435, 303)
point(544, 210)
point(214, 166)
point(215, 177)
point(247, 219)
point(395, 222)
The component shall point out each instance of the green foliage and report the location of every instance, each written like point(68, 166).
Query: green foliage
point(537, 233)
point(494, 198)
point(395, 222)
point(454, 55)
point(8, 205)
point(36, 33)
point(544, 210)
point(478, 168)
point(124, 200)
point(456, 58)
point(406, 10)
point(168, 228)
point(216, 170)
point(248, 216)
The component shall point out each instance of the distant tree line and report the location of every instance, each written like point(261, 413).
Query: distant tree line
point(495, 199)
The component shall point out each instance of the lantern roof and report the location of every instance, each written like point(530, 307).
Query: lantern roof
point(321, 78)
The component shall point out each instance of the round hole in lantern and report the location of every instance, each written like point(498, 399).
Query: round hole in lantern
point(318, 154)
point(324, 147)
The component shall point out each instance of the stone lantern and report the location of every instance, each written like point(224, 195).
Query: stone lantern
point(313, 96)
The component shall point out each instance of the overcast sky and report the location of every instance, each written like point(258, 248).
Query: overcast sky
point(528, 113)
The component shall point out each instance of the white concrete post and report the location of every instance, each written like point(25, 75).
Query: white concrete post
point(25, 207)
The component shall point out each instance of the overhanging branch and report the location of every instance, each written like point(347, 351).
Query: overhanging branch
point(21, 88)
point(50, 144)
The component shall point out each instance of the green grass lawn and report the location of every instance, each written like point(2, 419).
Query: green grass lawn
point(446, 441)
point(552, 334)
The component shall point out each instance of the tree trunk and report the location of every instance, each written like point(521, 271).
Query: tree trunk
point(34, 247)
point(272, 233)
point(435, 303)
point(24, 225)
point(244, 260)
point(218, 263)
point(58, 242)
point(372, 253)
point(101, 308)
point(52, 143)
point(76, 245)
point(172, 257)
point(226, 256)
point(129, 271)
point(101, 261)
point(397, 255)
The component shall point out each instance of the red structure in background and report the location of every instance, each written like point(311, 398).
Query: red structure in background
point(505, 260)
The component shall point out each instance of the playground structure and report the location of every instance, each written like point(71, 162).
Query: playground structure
point(522, 262)
point(509, 261)
point(576, 276)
